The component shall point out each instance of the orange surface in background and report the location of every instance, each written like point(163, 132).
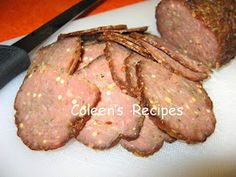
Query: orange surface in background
point(20, 17)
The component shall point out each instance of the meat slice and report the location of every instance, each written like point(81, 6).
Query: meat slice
point(173, 65)
point(204, 28)
point(131, 76)
point(91, 50)
point(113, 118)
point(190, 116)
point(150, 139)
point(173, 52)
point(44, 107)
point(63, 55)
point(116, 55)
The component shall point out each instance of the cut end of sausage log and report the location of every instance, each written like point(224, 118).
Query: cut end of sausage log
point(194, 27)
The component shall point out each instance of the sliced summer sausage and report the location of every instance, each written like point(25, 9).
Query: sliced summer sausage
point(131, 76)
point(116, 55)
point(173, 52)
point(126, 41)
point(173, 65)
point(113, 117)
point(150, 139)
point(63, 55)
point(91, 50)
point(190, 116)
point(44, 107)
point(205, 29)
point(93, 31)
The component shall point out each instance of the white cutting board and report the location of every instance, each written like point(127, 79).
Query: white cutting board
point(216, 157)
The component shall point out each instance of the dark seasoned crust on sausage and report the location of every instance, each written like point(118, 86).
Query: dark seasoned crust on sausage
point(43, 107)
point(131, 77)
point(93, 31)
point(172, 52)
point(103, 131)
point(141, 29)
point(126, 41)
point(150, 140)
point(162, 88)
point(116, 55)
point(119, 31)
point(204, 28)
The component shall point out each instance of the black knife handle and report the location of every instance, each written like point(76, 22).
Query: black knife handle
point(13, 61)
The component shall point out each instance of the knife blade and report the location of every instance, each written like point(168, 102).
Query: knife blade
point(14, 59)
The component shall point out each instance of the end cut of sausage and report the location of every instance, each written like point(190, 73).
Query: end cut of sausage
point(204, 28)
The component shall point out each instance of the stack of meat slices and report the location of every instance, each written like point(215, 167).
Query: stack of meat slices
point(113, 67)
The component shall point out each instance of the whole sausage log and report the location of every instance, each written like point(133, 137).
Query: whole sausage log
point(205, 29)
